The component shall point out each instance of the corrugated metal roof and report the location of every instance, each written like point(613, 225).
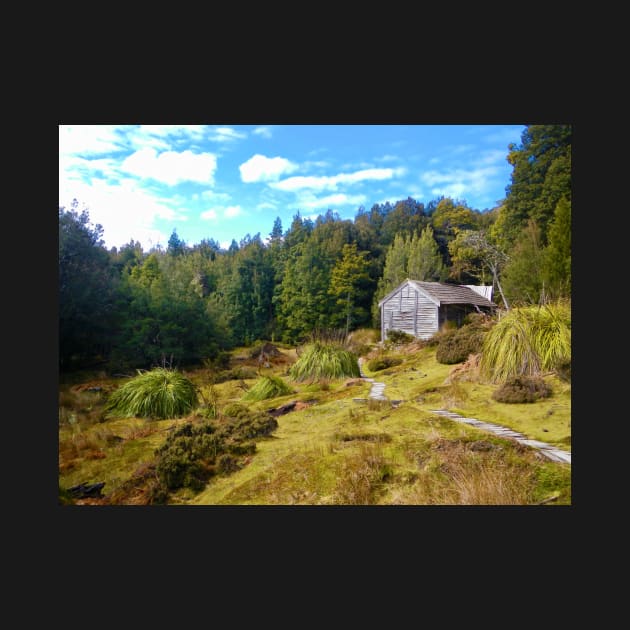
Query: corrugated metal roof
point(442, 293)
point(482, 289)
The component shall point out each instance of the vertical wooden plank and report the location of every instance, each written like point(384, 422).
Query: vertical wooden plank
point(415, 317)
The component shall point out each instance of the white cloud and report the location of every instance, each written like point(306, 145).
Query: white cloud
point(316, 164)
point(265, 205)
point(228, 213)
point(163, 137)
point(330, 201)
point(171, 167)
point(226, 134)
point(210, 195)
point(124, 210)
point(74, 168)
point(232, 211)
point(264, 132)
point(194, 131)
point(359, 165)
point(260, 168)
point(331, 182)
point(90, 139)
point(459, 183)
point(496, 156)
point(209, 214)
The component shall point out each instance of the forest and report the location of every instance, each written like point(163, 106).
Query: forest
point(124, 308)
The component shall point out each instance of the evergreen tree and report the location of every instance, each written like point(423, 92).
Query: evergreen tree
point(345, 284)
point(425, 261)
point(276, 232)
point(394, 272)
point(87, 285)
point(176, 246)
point(541, 176)
point(557, 255)
point(522, 275)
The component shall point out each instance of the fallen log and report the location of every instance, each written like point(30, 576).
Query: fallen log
point(84, 490)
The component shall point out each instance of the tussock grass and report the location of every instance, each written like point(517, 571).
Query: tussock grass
point(159, 393)
point(268, 387)
point(527, 341)
point(322, 361)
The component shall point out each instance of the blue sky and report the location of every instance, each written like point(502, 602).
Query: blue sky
point(224, 181)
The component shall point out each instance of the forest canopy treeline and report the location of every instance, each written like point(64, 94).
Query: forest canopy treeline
point(128, 308)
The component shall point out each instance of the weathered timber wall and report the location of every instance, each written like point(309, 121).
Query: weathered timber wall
point(411, 312)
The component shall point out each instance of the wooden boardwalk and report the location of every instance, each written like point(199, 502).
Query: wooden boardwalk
point(550, 452)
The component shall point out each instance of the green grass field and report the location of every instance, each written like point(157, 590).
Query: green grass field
point(335, 450)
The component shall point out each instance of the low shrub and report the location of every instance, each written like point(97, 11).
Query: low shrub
point(456, 344)
point(522, 389)
point(235, 410)
point(399, 337)
point(235, 374)
point(382, 363)
point(193, 453)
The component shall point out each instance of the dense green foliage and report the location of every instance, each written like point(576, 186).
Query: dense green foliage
point(159, 393)
point(125, 309)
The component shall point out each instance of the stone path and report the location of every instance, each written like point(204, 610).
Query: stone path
point(549, 451)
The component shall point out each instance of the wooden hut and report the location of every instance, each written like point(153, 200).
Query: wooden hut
point(422, 308)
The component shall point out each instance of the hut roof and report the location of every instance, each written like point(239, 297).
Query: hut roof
point(442, 293)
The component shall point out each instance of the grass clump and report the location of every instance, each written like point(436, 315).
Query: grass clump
point(527, 341)
point(324, 360)
point(267, 387)
point(158, 393)
point(522, 389)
